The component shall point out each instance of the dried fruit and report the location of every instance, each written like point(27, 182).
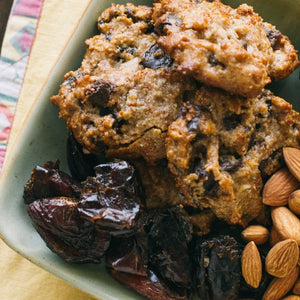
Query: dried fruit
point(65, 233)
point(251, 265)
point(279, 287)
point(217, 268)
point(292, 159)
point(256, 233)
point(278, 188)
point(48, 181)
point(110, 199)
point(286, 223)
point(282, 258)
point(294, 202)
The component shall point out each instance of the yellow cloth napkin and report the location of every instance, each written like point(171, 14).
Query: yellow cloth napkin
point(19, 278)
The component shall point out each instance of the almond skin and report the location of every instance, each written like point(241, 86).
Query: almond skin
point(256, 233)
point(286, 223)
point(251, 265)
point(282, 258)
point(274, 237)
point(292, 159)
point(294, 202)
point(279, 287)
point(291, 297)
point(296, 288)
point(278, 188)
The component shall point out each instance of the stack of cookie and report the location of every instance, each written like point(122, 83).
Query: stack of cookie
point(179, 90)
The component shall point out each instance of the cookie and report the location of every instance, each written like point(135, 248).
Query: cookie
point(127, 90)
point(232, 49)
point(222, 148)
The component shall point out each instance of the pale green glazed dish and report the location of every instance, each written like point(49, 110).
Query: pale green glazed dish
point(44, 135)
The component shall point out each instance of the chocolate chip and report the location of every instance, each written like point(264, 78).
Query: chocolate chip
point(155, 58)
point(212, 59)
point(193, 125)
point(230, 164)
point(231, 122)
point(70, 80)
point(171, 20)
point(99, 93)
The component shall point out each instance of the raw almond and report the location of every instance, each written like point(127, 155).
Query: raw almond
point(251, 265)
point(286, 223)
point(291, 297)
point(282, 258)
point(294, 202)
point(279, 287)
point(278, 188)
point(292, 159)
point(256, 233)
point(274, 236)
point(296, 288)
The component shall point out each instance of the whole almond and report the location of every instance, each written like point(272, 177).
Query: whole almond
point(282, 258)
point(256, 233)
point(251, 265)
point(279, 287)
point(278, 188)
point(291, 297)
point(274, 237)
point(286, 223)
point(296, 288)
point(294, 202)
point(292, 159)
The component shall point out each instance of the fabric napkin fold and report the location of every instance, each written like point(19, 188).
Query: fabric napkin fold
point(27, 57)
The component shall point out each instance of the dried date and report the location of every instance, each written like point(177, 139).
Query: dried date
point(217, 268)
point(58, 222)
point(81, 165)
point(48, 181)
point(110, 199)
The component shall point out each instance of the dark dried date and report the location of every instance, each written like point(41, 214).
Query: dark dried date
point(48, 181)
point(110, 198)
point(81, 165)
point(217, 268)
point(65, 233)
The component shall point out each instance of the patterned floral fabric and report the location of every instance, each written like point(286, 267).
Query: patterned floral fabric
point(16, 47)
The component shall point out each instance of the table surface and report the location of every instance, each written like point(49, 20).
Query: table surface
point(20, 279)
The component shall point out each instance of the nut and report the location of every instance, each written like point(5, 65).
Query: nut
point(251, 265)
point(294, 202)
point(296, 288)
point(286, 223)
point(282, 258)
point(278, 188)
point(256, 233)
point(291, 297)
point(274, 237)
point(292, 159)
point(279, 287)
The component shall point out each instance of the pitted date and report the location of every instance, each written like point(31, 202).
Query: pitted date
point(65, 233)
point(110, 199)
point(48, 181)
point(217, 268)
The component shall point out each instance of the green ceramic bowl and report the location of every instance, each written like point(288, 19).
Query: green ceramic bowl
point(44, 136)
